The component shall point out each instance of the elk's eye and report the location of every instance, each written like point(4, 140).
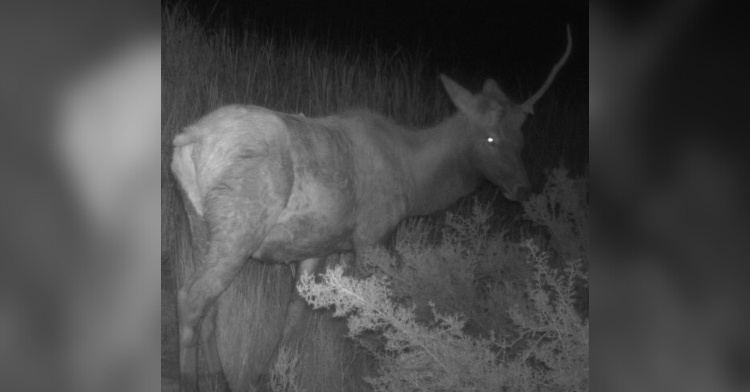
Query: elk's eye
point(490, 140)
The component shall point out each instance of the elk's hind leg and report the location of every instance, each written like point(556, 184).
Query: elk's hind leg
point(198, 296)
point(239, 213)
point(216, 379)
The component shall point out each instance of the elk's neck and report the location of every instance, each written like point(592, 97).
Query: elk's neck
point(442, 169)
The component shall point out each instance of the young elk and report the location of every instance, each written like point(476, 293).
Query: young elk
point(292, 189)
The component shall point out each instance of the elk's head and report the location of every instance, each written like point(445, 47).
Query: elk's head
point(494, 129)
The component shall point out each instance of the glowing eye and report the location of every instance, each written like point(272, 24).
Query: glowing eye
point(489, 139)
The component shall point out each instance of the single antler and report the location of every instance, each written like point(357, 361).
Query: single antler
point(528, 106)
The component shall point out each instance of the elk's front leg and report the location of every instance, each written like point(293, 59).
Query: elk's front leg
point(297, 304)
point(294, 313)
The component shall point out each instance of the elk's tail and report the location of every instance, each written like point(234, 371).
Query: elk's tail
point(184, 139)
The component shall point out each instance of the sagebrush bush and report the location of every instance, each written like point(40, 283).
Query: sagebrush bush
point(555, 336)
point(470, 311)
point(562, 208)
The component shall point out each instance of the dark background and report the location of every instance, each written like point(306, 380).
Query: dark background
point(514, 41)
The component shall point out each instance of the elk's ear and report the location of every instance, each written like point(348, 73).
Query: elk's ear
point(491, 86)
point(492, 89)
point(461, 97)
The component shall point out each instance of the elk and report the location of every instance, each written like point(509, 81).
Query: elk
point(286, 188)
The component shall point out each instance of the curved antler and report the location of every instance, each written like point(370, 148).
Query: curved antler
point(528, 106)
